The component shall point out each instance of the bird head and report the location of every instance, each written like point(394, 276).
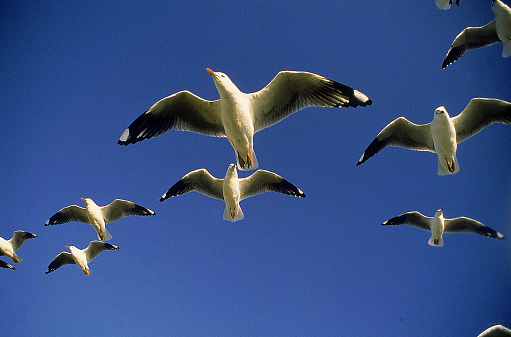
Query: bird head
point(223, 83)
point(441, 111)
point(440, 212)
point(232, 171)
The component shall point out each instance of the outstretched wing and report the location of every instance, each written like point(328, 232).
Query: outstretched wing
point(60, 260)
point(479, 113)
point(119, 208)
point(68, 214)
point(199, 180)
point(291, 91)
point(467, 225)
point(262, 181)
point(19, 238)
point(414, 219)
point(96, 247)
point(403, 133)
point(181, 111)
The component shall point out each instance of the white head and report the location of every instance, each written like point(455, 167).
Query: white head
point(222, 82)
point(72, 248)
point(441, 112)
point(497, 5)
point(232, 172)
point(88, 201)
point(439, 213)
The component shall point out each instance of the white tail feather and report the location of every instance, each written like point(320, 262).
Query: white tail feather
point(238, 214)
point(442, 170)
point(106, 235)
point(247, 167)
point(440, 243)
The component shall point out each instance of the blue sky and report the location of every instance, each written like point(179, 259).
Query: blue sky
point(75, 74)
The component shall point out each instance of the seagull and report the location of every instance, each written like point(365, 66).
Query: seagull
point(439, 225)
point(98, 216)
point(9, 247)
point(237, 115)
point(443, 134)
point(496, 331)
point(232, 189)
point(446, 4)
point(80, 256)
point(4, 264)
point(476, 37)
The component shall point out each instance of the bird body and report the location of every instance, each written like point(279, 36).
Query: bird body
point(438, 225)
point(9, 247)
point(81, 257)
point(237, 115)
point(98, 216)
point(232, 189)
point(503, 25)
point(442, 134)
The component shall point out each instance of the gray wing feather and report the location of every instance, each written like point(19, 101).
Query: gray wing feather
point(181, 111)
point(199, 180)
point(414, 219)
point(403, 133)
point(19, 238)
point(68, 214)
point(479, 113)
point(262, 181)
point(96, 247)
point(60, 260)
point(467, 225)
point(291, 91)
point(119, 208)
point(471, 38)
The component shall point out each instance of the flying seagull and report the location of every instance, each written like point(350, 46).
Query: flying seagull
point(496, 331)
point(439, 225)
point(98, 216)
point(80, 256)
point(443, 134)
point(446, 4)
point(232, 189)
point(4, 264)
point(9, 247)
point(237, 115)
point(476, 37)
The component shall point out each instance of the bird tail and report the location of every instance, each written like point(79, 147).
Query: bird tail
point(444, 170)
point(233, 214)
point(245, 162)
point(16, 259)
point(436, 243)
point(506, 50)
point(106, 235)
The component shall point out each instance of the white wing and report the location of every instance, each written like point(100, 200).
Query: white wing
point(262, 181)
point(414, 219)
point(119, 208)
point(68, 214)
point(291, 91)
point(60, 260)
point(96, 247)
point(467, 225)
point(199, 180)
point(19, 238)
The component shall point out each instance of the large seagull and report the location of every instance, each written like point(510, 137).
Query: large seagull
point(232, 189)
point(443, 134)
point(9, 247)
point(498, 30)
point(237, 115)
point(438, 225)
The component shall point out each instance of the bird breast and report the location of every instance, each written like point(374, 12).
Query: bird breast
point(231, 189)
point(444, 135)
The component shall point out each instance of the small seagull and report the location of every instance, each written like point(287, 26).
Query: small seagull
point(80, 256)
point(232, 189)
point(98, 216)
point(237, 115)
point(443, 134)
point(446, 4)
point(4, 264)
point(9, 247)
point(498, 30)
point(438, 225)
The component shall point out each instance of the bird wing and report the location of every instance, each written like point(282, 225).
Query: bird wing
point(19, 238)
point(181, 111)
point(4, 264)
point(119, 208)
point(403, 133)
point(414, 219)
point(199, 180)
point(262, 181)
point(471, 38)
point(60, 260)
point(467, 225)
point(68, 214)
point(96, 247)
point(480, 112)
point(291, 91)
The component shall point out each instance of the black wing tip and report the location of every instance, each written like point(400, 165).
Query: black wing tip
point(178, 188)
point(452, 56)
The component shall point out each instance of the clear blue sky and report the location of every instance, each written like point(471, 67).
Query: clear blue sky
point(75, 74)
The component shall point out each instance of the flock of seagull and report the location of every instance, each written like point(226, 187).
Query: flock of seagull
point(238, 116)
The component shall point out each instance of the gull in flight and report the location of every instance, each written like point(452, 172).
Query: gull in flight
point(9, 247)
point(232, 189)
point(98, 216)
point(446, 4)
point(496, 331)
point(498, 30)
point(81, 257)
point(443, 134)
point(4, 264)
point(237, 115)
point(438, 225)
